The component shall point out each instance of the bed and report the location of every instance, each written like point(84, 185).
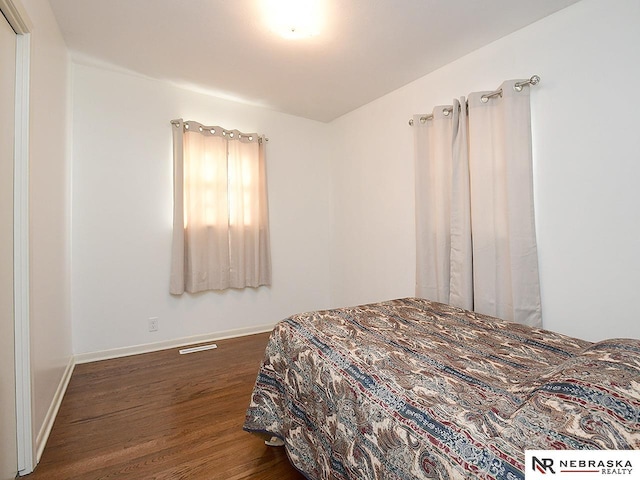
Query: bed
point(413, 389)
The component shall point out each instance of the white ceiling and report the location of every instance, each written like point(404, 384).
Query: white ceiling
point(367, 48)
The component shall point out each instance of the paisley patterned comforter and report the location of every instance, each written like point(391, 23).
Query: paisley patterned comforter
point(412, 389)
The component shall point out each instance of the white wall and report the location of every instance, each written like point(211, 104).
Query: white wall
point(122, 214)
point(342, 212)
point(586, 164)
point(50, 312)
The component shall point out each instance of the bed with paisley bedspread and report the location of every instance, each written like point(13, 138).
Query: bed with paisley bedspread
point(412, 389)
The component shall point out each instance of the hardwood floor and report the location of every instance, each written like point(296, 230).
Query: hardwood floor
point(163, 415)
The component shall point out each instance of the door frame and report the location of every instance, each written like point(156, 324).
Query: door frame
point(21, 24)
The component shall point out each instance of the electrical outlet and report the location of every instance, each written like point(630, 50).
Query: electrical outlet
point(153, 324)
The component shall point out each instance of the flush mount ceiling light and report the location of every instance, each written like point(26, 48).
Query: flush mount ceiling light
point(294, 18)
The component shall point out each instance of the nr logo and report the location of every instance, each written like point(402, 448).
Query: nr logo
point(542, 465)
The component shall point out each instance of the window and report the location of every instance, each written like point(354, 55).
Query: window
point(221, 234)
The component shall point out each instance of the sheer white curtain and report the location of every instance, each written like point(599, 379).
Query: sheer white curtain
point(474, 206)
point(220, 218)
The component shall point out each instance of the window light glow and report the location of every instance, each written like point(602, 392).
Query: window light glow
point(294, 18)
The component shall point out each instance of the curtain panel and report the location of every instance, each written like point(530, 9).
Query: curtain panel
point(444, 269)
point(506, 281)
point(220, 216)
point(475, 225)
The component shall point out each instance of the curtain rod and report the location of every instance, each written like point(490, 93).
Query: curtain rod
point(534, 80)
point(176, 123)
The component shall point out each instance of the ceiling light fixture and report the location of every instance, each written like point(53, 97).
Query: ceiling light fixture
point(294, 18)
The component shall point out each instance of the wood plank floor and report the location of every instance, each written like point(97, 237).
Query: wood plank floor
point(163, 415)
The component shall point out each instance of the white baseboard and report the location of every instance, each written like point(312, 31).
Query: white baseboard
point(47, 425)
point(177, 342)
